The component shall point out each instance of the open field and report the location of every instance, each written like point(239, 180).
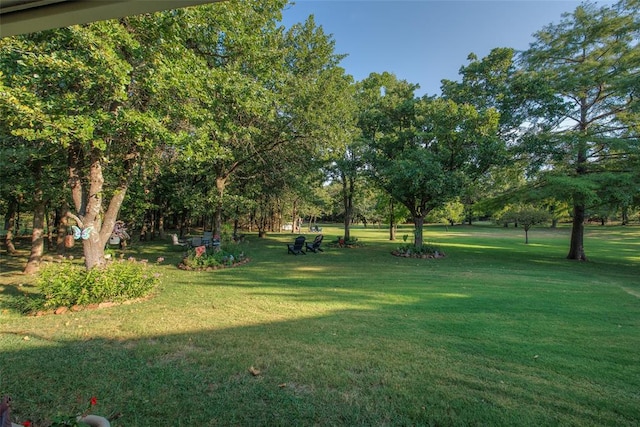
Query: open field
point(496, 333)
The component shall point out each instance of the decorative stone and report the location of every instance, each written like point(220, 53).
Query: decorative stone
point(61, 310)
point(107, 304)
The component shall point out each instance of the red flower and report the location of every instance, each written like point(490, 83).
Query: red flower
point(94, 401)
point(27, 423)
point(200, 250)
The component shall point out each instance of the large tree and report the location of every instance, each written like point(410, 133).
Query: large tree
point(109, 94)
point(267, 93)
point(586, 70)
point(200, 85)
point(33, 174)
point(424, 151)
point(62, 88)
point(345, 168)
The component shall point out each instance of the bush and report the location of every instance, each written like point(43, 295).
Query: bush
point(66, 284)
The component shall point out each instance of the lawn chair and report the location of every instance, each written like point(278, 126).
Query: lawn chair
point(175, 241)
point(315, 245)
point(195, 242)
point(207, 238)
point(298, 246)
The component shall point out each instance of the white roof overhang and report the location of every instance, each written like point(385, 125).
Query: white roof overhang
point(27, 16)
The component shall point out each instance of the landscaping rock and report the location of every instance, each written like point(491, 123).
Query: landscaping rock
point(61, 310)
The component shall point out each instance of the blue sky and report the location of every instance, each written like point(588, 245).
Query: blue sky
point(425, 41)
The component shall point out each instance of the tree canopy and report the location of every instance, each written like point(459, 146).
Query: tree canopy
point(586, 68)
point(217, 112)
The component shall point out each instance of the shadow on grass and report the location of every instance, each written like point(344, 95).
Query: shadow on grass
point(344, 337)
point(402, 364)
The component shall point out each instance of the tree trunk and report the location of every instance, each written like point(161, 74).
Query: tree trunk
point(261, 221)
point(37, 236)
point(418, 220)
point(221, 183)
point(392, 221)
point(236, 223)
point(161, 231)
point(93, 246)
point(183, 224)
point(294, 217)
point(152, 225)
point(576, 250)
point(89, 204)
point(526, 235)
point(144, 231)
point(347, 200)
point(61, 227)
point(51, 219)
point(76, 163)
point(348, 204)
point(10, 224)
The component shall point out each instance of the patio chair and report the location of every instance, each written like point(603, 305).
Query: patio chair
point(207, 238)
point(315, 245)
point(297, 247)
point(195, 242)
point(175, 241)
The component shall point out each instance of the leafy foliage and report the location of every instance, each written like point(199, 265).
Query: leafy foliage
point(586, 69)
point(67, 284)
point(218, 108)
point(450, 213)
point(424, 152)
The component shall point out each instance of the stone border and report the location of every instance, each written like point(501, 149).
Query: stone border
point(93, 306)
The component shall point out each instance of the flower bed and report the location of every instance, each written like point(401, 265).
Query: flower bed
point(424, 252)
point(184, 266)
point(82, 419)
point(201, 259)
point(341, 243)
point(415, 255)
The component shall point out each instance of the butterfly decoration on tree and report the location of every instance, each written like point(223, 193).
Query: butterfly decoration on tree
point(81, 233)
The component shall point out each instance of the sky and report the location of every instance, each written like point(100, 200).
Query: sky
point(424, 41)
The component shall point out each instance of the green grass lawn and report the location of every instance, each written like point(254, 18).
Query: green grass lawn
point(496, 333)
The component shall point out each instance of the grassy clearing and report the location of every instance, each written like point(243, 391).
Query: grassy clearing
point(496, 333)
